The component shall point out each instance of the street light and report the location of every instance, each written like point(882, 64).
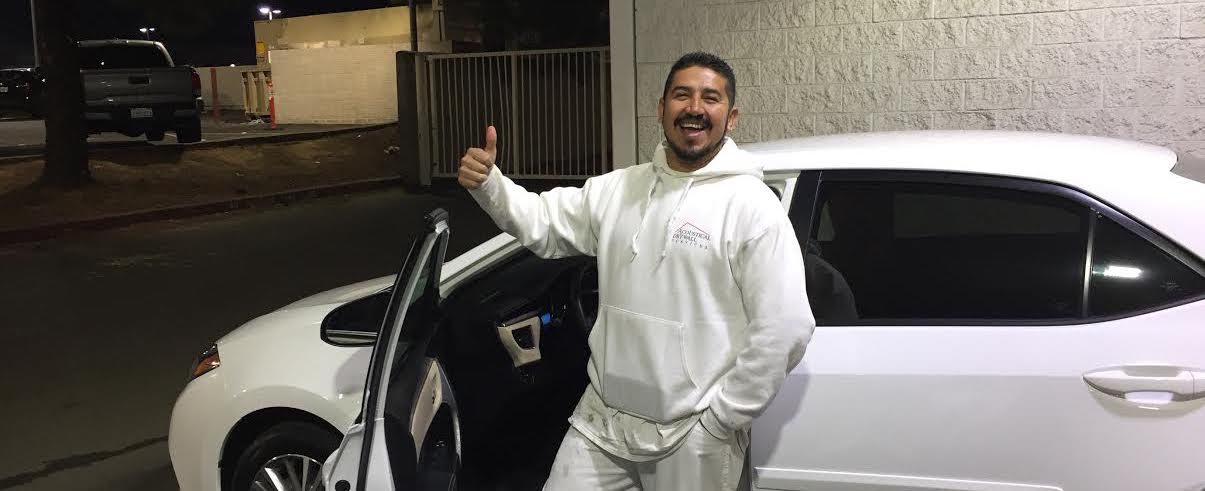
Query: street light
point(269, 11)
point(146, 31)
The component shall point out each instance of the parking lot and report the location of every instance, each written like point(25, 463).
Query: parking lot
point(21, 136)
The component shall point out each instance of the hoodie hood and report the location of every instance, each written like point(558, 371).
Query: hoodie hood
point(729, 161)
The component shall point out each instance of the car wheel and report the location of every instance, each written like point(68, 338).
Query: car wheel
point(154, 135)
point(189, 131)
point(286, 457)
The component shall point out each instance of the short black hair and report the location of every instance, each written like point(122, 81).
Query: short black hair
point(705, 60)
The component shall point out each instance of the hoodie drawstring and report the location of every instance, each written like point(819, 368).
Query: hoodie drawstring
point(648, 202)
point(730, 161)
point(673, 215)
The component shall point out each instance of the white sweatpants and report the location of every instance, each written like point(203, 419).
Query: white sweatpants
point(703, 462)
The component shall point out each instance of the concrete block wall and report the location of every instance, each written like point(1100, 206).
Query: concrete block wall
point(1132, 69)
point(230, 86)
point(343, 85)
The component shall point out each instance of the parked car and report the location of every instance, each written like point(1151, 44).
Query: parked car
point(996, 310)
point(133, 87)
point(21, 89)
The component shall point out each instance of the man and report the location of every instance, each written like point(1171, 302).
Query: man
point(702, 306)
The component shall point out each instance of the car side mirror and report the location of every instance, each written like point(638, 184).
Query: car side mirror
point(356, 323)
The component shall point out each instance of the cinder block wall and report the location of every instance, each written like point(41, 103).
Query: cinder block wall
point(345, 85)
point(1133, 69)
point(230, 86)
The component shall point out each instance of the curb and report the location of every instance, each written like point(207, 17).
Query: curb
point(43, 232)
point(39, 150)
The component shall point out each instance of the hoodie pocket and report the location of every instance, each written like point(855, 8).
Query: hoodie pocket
point(644, 370)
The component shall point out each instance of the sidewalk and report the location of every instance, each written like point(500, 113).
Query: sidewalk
point(169, 181)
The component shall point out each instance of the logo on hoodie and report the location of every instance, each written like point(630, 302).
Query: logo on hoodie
point(690, 235)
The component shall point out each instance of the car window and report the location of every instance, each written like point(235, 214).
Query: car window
point(1191, 167)
point(1130, 274)
point(119, 57)
point(900, 250)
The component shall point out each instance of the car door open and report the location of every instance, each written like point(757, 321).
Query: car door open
point(407, 435)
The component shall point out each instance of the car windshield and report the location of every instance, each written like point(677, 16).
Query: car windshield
point(1191, 167)
point(118, 57)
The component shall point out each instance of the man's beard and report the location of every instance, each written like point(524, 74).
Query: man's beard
point(690, 157)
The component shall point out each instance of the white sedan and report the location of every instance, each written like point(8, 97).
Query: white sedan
point(996, 311)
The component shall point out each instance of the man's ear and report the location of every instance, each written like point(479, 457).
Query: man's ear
point(733, 115)
point(660, 108)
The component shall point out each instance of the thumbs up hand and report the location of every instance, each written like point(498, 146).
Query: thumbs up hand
point(476, 164)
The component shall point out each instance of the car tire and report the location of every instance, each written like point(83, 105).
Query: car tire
point(154, 136)
point(295, 444)
point(189, 131)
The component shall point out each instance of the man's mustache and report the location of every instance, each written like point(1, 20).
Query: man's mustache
point(692, 119)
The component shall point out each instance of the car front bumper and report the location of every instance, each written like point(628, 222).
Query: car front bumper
point(196, 435)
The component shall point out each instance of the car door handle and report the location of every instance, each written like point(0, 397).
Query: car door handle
point(1149, 383)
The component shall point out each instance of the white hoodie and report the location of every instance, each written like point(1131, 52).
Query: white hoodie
point(702, 306)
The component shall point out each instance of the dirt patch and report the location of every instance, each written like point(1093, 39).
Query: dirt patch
point(146, 178)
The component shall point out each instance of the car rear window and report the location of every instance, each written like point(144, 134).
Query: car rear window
point(119, 57)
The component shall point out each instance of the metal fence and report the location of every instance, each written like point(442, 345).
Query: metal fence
point(550, 108)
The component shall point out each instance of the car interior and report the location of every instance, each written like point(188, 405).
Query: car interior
point(514, 406)
point(513, 346)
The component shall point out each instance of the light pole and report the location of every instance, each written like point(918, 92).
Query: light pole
point(146, 31)
point(33, 21)
point(269, 11)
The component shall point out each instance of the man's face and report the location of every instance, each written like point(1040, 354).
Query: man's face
point(695, 114)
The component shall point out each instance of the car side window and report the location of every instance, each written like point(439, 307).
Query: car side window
point(1130, 274)
point(907, 250)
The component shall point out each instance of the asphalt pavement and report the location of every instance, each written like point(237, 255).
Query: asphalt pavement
point(26, 136)
point(99, 330)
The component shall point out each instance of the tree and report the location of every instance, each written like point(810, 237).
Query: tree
point(66, 138)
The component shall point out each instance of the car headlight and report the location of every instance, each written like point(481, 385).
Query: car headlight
point(205, 362)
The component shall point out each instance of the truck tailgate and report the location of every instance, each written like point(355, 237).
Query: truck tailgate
point(138, 86)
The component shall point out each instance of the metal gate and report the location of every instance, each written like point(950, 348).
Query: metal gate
point(550, 108)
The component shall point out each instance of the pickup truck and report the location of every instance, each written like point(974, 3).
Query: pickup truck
point(133, 87)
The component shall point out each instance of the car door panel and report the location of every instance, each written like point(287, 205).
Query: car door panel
point(782, 479)
point(407, 433)
point(935, 405)
point(1016, 410)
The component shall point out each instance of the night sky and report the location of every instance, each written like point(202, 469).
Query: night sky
point(220, 32)
point(197, 32)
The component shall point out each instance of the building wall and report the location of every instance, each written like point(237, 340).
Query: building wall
point(1133, 69)
point(390, 25)
point(230, 85)
point(338, 85)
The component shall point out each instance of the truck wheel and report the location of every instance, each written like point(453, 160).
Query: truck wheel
point(189, 131)
point(154, 135)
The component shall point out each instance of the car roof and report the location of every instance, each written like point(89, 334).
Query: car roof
point(1046, 156)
